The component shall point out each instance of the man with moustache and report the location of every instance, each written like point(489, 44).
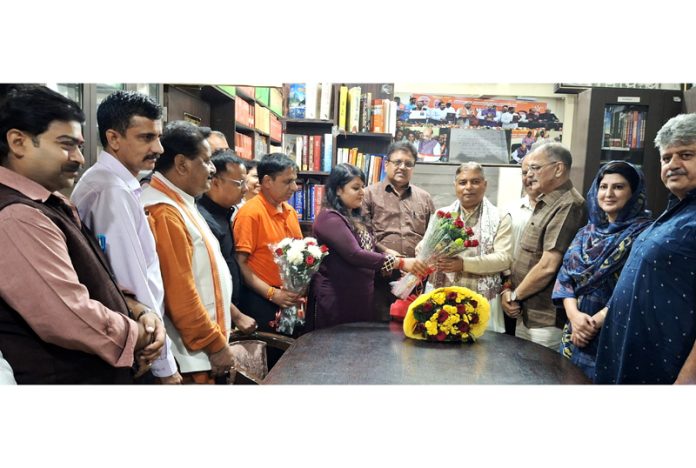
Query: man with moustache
point(262, 221)
point(107, 197)
point(649, 334)
point(63, 318)
point(559, 212)
point(398, 213)
point(197, 282)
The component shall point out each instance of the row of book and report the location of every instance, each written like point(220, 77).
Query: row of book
point(359, 113)
point(310, 152)
point(309, 101)
point(307, 200)
point(244, 145)
point(373, 165)
point(624, 129)
point(258, 117)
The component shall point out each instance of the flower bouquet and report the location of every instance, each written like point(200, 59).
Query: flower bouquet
point(446, 236)
point(447, 314)
point(297, 260)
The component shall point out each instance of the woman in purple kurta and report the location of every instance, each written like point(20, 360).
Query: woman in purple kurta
point(342, 289)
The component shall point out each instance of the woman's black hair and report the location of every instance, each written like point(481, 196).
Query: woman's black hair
point(341, 175)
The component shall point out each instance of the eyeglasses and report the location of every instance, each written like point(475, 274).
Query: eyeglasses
point(240, 183)
point(399, 163)
point(535, 168)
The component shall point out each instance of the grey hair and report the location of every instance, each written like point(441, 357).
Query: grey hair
point(557, 152)
point(678, 131)
point(470, 166)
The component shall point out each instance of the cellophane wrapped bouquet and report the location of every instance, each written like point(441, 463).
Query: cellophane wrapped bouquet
point(297, 260)
point(452, 313)
point(446, 236)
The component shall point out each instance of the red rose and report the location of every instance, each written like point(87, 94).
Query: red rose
point(474, 243)
point(419, 328)
point(473, 303)
point(469, 231)
point(310, 260)
point(448, 215)
point(324, 249)
point(463, 327)
point(279, 251)
point(311, 243)
point(467, 243)
point(459, 223)
point(428, 306)
point(440, 214)
point(442, 316)
point(461, 309)
point(452, 296)
point(441, 336)
point(474, 319)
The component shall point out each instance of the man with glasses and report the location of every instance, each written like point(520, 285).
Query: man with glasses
point(559, 212)
point(107, 197)
point(217, 206)
point(398, 213)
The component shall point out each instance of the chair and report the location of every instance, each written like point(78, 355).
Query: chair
point(251, 364)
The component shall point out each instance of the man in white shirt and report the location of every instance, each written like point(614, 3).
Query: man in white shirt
point(6, 374)
point(107, 197)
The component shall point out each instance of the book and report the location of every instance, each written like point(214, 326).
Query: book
point(353, 124)
point(342, 107)
point(377, 117)
point(311, 100)
point(325, 101)
point(296, 101)
point(305, 153)
point(316, 143)
point(327, 161)
point(292, 149)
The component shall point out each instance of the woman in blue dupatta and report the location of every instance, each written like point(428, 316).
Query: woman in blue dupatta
point(616, 203)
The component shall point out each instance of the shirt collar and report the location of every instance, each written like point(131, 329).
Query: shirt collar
point(272, 211)
point(185, 196)
point(206, 202)
point(25, 186)
point(552, 197)
point(388, 187)
point(113, 165)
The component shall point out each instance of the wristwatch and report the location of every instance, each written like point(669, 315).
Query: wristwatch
point(513, 296)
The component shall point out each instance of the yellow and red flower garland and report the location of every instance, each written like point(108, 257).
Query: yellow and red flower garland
point(447, 314)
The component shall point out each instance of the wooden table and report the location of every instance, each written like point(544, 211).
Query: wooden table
point(379, 353)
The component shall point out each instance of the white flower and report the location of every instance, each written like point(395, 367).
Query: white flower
point(295, 256)
point(314, 251)
point(285, 242)
point(310, 240)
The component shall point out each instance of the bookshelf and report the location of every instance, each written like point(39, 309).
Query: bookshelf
point(249, 116)
point(621, 124)
point(324, 100)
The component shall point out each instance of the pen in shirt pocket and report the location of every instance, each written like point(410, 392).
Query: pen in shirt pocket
point(101, 238)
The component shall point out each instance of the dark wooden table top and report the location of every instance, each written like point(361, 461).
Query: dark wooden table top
point(379, 353)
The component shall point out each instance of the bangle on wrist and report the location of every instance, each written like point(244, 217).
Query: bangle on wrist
point(401, 263)
point(270, 293)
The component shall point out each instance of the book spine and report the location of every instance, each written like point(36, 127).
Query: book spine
point(354, 109)
point(311, 90)
point(305, 153)
point(325, 101)
point(318, 198)
point(328, 153)
point(317, 152)
point(342, 107)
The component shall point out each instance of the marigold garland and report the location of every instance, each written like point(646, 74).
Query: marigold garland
point(453, 313)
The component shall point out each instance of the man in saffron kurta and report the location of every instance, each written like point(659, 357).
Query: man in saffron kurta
point(197, 282)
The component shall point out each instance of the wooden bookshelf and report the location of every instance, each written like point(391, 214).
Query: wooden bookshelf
point(621, 124)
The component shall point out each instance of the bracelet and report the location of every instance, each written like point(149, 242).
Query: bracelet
point(270, 293)
point(401, 263)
